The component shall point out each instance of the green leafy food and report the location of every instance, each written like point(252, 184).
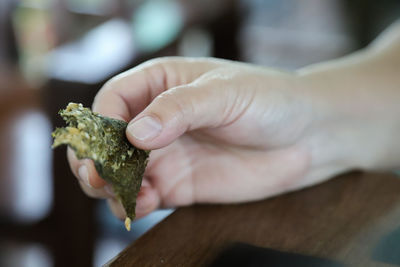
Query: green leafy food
point(103, 140)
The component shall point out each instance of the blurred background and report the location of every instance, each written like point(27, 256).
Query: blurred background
point(56, 51)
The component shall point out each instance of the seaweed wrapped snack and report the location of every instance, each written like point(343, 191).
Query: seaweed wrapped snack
point(103, 140)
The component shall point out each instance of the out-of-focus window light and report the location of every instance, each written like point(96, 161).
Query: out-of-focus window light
point(156, 23)
point(196, 42)
point(100, 53)
point(25, 255)
point(39, 4)
point(95, 7)
point(32, 167)
point(35, 37)
point(106, 249)
point(290, 34)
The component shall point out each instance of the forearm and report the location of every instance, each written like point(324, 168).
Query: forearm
point(360, 95)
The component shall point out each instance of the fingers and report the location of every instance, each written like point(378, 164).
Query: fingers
point(95, 193)
point(94, 186)
point(91, 183)
point(116, 208)
point(85, 171)
point(147, 201)
point(130, 92)
point(205, 103)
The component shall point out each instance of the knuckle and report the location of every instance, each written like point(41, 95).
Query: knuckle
point(111, 83)
point(177, 102)
point(156, 62)
point(162, 60)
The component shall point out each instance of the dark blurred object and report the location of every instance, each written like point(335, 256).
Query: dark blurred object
point(8, 51)
point(222, 19)
point(388, 248)
point(245, 255)
point(368, 18)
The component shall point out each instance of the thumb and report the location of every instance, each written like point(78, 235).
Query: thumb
point(176, 111)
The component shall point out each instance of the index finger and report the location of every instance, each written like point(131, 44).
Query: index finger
point(127, 94)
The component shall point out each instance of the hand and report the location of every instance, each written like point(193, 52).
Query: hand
point(220, 132)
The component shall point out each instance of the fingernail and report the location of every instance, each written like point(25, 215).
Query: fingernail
point(145, 128)
point(84, 175)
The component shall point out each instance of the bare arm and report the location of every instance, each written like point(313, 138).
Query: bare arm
point(361, 93)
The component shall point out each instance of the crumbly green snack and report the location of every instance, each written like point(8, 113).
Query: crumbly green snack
point(103, 140)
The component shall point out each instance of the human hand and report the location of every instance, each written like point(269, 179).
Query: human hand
point(220, 132)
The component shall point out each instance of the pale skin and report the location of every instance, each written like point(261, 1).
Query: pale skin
point(224, 132)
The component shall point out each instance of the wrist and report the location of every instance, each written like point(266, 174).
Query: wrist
point(357, 109)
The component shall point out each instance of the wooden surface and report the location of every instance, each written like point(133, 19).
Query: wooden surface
point(352, 220)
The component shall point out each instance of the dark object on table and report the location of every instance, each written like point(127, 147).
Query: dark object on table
point(245, 255)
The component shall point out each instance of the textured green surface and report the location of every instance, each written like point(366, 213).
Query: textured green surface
point(103, 140)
